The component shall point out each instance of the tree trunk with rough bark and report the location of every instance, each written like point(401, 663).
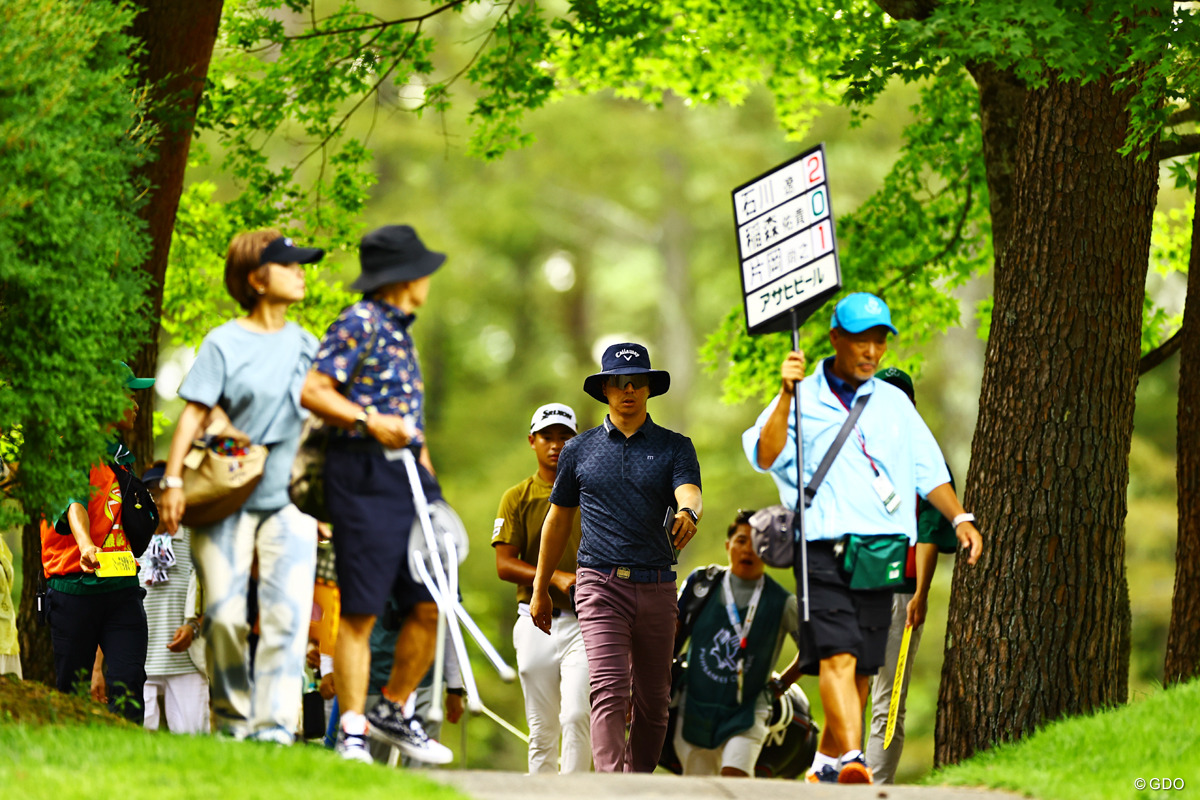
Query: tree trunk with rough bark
point(37, 654)
point(1036, 628)
point(178, 40)
point(1001, 103)
point(1183, 636)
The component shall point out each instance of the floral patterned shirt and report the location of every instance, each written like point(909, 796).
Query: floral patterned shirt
point(389, 381)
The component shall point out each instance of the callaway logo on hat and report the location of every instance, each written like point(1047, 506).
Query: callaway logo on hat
point(553, 414)
point(626, 358)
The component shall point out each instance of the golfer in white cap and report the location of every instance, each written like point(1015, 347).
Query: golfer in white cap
point(553, 669)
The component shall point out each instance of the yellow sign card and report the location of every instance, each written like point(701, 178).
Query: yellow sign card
point(116, 564)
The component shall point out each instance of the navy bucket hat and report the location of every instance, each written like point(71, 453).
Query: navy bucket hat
point(393, 254)
point(626, 358)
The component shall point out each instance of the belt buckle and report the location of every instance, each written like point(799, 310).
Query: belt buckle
point(623, 572)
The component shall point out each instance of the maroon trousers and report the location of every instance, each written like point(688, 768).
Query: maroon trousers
point(629, 634)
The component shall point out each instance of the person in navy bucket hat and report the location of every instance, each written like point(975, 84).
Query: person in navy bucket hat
point(393, 254)
point(626, 358)
point(366, 384)
point(636, 486)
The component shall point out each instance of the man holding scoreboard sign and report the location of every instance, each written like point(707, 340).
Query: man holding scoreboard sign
point(789, 268)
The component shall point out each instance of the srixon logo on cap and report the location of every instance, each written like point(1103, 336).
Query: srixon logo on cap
point(873, 306)
point(555, 412)
point(627, 354)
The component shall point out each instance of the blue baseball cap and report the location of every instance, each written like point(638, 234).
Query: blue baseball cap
point(861, 311)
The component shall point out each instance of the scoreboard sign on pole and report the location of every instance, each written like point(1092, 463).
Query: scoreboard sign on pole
point(786, 243)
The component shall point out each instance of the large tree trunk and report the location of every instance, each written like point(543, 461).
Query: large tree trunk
point(178, 40)
point(1036, 629)
point(1001, 103)
point(1183, 637)
point(37, 655)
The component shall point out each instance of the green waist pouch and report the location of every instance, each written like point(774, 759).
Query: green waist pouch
point(873, 562)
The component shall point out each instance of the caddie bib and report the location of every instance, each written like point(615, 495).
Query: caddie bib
point(713, 711)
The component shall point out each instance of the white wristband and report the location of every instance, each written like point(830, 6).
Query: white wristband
point(961, 518)
point(170, 482)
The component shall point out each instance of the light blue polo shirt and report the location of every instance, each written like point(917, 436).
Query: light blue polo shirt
point(896, 438)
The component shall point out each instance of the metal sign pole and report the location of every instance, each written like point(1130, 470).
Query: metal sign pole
point(798, 522)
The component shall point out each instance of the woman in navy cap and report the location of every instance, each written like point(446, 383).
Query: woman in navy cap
point(253, 369)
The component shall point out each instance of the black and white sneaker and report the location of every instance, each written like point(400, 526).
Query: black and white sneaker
point(388, 724)
point(352, 747)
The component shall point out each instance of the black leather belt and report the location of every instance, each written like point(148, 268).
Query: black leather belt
point(639, 575)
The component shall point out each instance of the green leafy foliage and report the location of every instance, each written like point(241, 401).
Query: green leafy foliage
point(71, 291)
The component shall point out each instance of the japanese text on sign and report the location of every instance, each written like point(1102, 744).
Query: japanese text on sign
point(791, 290)
point(786, 242)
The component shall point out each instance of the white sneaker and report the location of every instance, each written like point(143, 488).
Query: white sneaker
point(353, 747)
point(274, 735)
point(431, 751)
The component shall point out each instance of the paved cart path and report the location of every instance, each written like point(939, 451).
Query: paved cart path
point(489, 785)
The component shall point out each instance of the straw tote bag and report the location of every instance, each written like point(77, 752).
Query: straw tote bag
point(219, 475)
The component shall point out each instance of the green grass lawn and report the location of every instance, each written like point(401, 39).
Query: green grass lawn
point(1101, 756)
point(98, 762)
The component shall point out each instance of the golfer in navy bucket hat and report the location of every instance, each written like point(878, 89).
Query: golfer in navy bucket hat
point(626, 358)
point(861, 311)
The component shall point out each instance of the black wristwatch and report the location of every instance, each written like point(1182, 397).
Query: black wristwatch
point(360, 423)
point(695, 517)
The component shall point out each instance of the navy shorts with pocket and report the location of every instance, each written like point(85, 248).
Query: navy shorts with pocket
point(841, 619)
point(372, 513)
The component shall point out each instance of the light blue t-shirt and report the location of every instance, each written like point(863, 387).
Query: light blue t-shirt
point(892, 432)
point(257, 377)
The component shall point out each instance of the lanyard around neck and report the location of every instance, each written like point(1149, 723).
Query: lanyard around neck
point(862, 440)
point(742, 629)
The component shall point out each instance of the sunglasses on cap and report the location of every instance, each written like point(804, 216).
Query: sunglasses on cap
point(639, 381)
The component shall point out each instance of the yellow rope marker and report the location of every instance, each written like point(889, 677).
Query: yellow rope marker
point(897, 683)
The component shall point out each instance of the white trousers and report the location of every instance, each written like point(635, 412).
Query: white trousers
point(882, 762)
point(184, 702)
point(554, 679)
point(739, 751)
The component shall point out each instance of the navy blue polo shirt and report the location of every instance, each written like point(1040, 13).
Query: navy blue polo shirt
point(623, 488)
point(844, 391)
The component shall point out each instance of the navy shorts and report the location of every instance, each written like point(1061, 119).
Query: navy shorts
point(841, 619)
point(372, 513)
